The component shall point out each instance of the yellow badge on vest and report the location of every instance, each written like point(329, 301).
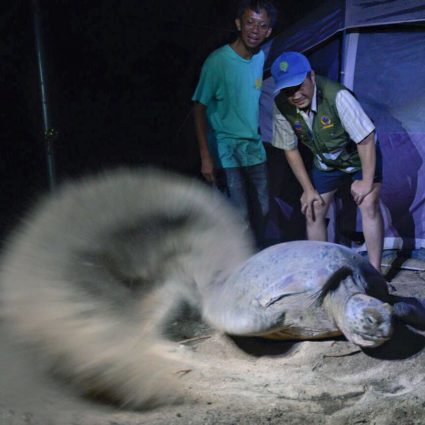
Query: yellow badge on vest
point(326, 122)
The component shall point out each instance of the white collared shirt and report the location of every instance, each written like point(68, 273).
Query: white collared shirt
point(353, 118)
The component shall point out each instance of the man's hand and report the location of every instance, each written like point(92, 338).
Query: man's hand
point(207, 169)
point(207, 162)
point(360, 189)
point(308, 199)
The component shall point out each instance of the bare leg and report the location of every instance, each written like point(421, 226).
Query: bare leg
point(373, 227)
point(316, 227)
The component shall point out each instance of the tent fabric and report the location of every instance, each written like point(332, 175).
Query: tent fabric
point(381, 61)
point(334, 16)
point(316, 27)
point(366, 13)
point(397, 104)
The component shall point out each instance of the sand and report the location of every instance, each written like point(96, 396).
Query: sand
point(245, 381)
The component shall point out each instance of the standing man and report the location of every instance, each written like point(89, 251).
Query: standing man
point(325, 116)
point(226, 113)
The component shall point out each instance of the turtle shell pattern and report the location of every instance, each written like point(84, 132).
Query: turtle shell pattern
point(282, 291)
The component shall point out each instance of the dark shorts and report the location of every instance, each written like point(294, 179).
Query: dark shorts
point(327, 181)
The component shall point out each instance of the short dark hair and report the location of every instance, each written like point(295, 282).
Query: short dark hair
point(256, 6)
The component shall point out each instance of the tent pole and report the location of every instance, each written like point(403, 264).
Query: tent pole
point(342, 57)
point(50, 134)
point(348, 58)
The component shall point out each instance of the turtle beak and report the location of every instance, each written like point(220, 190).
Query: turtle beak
point(370, 341)
point(365, 342)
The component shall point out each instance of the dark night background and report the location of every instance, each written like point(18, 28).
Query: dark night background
point(120, 75)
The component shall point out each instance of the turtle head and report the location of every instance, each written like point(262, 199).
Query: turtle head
point(367, 321)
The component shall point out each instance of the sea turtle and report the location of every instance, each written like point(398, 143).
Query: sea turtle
point(309, 290)
point(99, 266)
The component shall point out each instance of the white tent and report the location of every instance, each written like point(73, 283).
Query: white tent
point(377, 49)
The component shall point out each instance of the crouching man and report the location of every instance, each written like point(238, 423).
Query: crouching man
point(326, 117)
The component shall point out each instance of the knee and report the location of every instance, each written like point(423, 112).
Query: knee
point(370, 207)
point(264, 205)
point(318, 214)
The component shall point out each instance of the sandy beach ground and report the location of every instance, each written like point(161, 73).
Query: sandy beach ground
point(245, 381)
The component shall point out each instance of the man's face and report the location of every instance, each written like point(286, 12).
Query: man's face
point(302, 95)
point(254, 27)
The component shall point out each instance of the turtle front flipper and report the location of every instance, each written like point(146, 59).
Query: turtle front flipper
point(410, 310)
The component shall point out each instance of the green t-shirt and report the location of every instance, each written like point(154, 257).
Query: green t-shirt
point(230, 88)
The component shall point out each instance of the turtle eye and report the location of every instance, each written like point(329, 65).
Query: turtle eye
point(370, 320)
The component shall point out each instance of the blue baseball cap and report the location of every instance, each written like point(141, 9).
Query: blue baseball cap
point(290, 70)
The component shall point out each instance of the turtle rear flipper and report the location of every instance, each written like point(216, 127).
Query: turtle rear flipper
point(410, 310)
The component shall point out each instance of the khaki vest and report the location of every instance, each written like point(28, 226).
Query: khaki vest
point(328, 134)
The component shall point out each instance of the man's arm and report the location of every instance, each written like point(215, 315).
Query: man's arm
point(362, 131)
point(284, 138)
point(367, 153)
point(310, 194)
point(207, 163)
